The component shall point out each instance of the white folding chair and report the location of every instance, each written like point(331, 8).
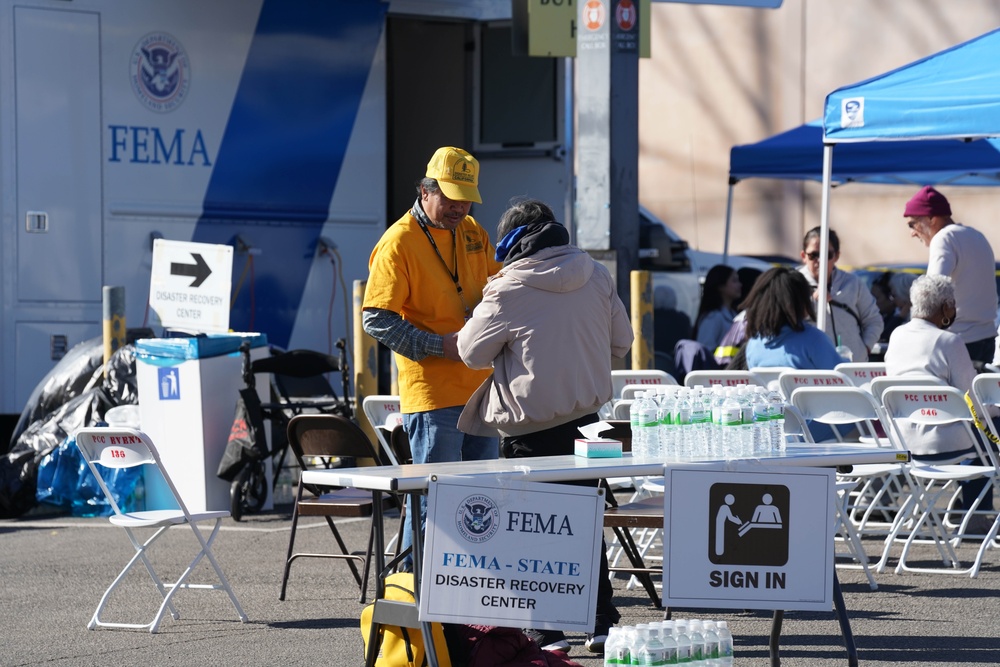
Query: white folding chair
point(861, 372)
point(882, 486)
point(626, 377)
point(878, 385)
point(938, 485)
point(382, 412)
point(770, 374)
point(723, 378)
point(790, 380)
point(120, 447)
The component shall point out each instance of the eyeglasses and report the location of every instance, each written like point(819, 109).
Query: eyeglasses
point(815, 255)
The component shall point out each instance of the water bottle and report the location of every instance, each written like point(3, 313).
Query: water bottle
point(682, 422)
point(665, 423)
point(711, 644)
point(637, 646)
point(761, 422)
point(616, 648)
point(638, 451)
point(844, 351)
point(669, 642)
point(730, 424)
point(697, 642)
point(744, 396)
point(651, 650)
point(683, 642)
point(725, 644)
point(777, 415)
point(701, 421)
point(718, 400)
point(649, 426)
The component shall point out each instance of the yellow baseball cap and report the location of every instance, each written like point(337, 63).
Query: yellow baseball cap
point(456, 172)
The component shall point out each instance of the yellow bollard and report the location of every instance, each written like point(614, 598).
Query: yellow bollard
point(113, 316)
point(641, 283)
point(365, 362)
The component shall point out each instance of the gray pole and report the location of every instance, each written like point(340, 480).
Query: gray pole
point(607, 100)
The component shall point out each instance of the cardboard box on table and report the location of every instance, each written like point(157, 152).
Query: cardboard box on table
point(188, 389)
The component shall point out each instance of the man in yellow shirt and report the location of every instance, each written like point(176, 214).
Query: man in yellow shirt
point(426, 274)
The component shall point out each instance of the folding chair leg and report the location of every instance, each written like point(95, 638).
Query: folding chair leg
point(343, 550)
point(140, 554)
point(632, 553)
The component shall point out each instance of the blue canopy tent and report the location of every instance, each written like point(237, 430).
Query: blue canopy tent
point(952, 94)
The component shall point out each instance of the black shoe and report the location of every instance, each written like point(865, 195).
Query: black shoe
point(549, 640)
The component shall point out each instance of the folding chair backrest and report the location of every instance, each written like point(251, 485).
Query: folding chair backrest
point(926, 404)
point(382, 412)
point(723, 378)
point(115, 448)
point(622, 408)
point(770, 374)
point(328, 436)
point(985, 394)
point(841, 405)
point(121, 447)
point(621, 378)
point(878, 385)
point(791, 380)
point(861, 372)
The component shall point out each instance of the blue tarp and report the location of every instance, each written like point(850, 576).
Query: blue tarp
point(952, 93)
point(798, 155)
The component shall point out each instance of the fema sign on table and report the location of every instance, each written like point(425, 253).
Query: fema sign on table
point(189, 285)
point(749, 537)
point(514, 554)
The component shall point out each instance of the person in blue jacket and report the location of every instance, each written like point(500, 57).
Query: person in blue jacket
point(780, 329)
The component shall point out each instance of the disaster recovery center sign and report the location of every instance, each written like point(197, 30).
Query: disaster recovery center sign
point(749, 537)
point(513, 554)
point(189, 285)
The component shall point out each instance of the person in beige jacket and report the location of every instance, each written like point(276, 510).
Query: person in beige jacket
point(549, 323)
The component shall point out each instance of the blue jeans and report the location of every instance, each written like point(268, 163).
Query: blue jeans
point(435, 438)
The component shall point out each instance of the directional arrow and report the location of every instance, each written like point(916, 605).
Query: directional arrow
point(199, 270)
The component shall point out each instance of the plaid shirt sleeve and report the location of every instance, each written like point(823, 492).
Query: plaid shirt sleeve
point(400, 336)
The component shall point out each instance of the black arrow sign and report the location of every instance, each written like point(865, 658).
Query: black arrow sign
point(199, 270)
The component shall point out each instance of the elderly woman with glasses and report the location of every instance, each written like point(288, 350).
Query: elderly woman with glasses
point(853, 318)
point(924, 346)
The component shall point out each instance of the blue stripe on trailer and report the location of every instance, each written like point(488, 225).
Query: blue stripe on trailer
point(284, 146)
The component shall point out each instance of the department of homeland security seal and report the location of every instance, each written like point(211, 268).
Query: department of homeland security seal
point(478, 518)
point(159, 72)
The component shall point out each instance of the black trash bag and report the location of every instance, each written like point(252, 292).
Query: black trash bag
point(78, 370)
point(68, 379)
point(247, 442)
point(19, 469)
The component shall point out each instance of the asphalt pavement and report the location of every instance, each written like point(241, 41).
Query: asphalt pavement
point(54, 569)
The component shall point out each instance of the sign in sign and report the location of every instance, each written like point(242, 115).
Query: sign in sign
point(189, 285)
point(749, 537)
point(514, 554)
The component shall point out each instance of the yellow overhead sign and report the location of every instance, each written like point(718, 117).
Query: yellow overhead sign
point(552, 26)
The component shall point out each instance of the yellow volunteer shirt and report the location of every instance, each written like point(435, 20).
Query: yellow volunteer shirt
point(407, 277)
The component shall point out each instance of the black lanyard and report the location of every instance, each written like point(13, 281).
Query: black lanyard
point(418, 215)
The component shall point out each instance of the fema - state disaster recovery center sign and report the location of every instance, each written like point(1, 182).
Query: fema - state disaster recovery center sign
point(189, 285)
point(749, 537)
point(513, 554)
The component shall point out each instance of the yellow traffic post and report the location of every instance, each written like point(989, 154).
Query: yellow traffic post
point(641, 283)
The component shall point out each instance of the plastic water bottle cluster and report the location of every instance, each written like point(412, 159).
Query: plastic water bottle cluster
point(680, 642)
point(718, 422)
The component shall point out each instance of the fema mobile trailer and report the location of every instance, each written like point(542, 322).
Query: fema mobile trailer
point(292, 130)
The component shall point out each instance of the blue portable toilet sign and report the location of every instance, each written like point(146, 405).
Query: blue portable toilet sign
point(747, 536)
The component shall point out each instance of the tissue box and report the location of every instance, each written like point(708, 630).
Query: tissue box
point(598, 448)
